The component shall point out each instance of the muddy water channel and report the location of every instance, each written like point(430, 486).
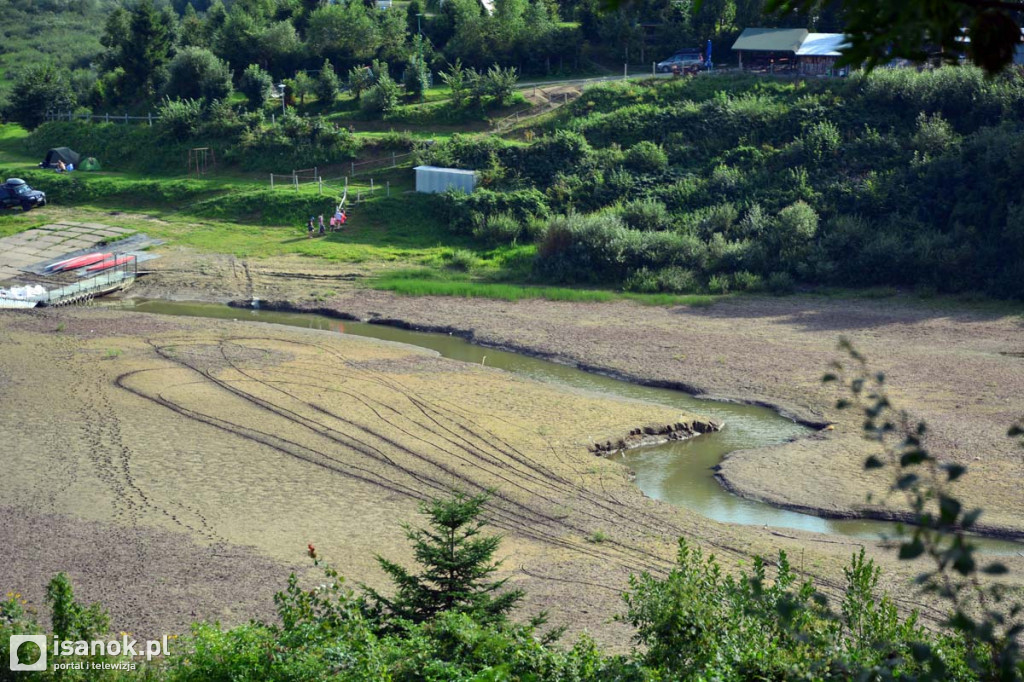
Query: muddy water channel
point(680, 473)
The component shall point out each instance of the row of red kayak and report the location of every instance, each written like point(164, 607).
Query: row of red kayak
point(92, 262)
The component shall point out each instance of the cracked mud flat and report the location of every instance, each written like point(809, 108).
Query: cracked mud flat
point(757, 349)
point(959, 369)
point(177, 468)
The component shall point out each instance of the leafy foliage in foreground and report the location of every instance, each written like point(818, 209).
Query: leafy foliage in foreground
point(697, 623)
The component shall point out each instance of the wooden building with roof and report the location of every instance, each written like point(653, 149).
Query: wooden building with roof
point(772, 50)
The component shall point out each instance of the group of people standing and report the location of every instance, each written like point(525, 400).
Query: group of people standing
point(338, 220)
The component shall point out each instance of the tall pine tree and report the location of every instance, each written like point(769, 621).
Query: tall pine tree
point(146, 50)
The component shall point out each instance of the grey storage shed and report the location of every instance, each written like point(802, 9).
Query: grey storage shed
point(431, 179)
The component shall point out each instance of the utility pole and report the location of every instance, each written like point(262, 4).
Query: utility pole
point(284, 105)
point(419, 30)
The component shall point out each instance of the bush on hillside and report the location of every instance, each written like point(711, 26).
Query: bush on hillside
point(470, 213)
point(326, 85)
point(646, 157)
point(179, 119)
point(38, 91)
point(646, 214)
point(198, 74)
point(256, 85)
point(382, 97)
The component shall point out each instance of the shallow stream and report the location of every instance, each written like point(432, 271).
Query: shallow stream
point(680, 472)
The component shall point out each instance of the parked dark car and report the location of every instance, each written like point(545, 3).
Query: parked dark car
point(681, 60)
point(16, 192)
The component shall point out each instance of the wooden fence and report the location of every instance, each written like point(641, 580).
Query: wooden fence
point(102, 118)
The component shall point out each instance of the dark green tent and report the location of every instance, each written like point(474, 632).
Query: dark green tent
point(60, 154)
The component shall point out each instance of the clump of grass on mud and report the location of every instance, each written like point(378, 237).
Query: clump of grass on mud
point(426, 283)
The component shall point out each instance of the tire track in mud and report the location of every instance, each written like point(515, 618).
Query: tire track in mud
point(537, 472)
point(554, 482)
point(577, 491)
point(531, 469)
point(97, 430)
point(509, 515)
point(645, 520)
point(511, 521)
point(505, 519)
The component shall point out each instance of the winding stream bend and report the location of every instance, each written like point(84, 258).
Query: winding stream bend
point(679, 472)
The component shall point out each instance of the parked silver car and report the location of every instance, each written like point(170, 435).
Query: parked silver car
point(681, 60)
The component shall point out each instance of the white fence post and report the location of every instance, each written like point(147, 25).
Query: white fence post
point(320, 184)
point(108, 118)
point(654, 68)
point(346, 183)
point(126, 117)
point(295, 179)
point(353, 164)
point(271, 181)
point(150, 118)
point(371, 185)
point(625, 71)
point(393, 160)
point(389, 188)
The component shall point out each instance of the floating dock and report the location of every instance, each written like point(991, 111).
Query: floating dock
point(81, 291)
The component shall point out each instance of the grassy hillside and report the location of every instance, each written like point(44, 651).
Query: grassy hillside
point(64, 32)
point(707, 185)
point(734, 183)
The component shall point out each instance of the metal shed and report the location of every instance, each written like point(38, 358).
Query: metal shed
point(819, 52)
point(431, 179)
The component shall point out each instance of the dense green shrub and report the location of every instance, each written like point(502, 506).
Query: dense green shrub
point(541, 161)
point(382, 97)
point(255, 84)
point(600, 248)
point(464, 151)
point(646, 157)
point(646, 214)
point(39, 90)
point(499, 228)
point(196, 73)
point(780, 283)
point(327, 84)
point(180, 118)
point(672, 280)
point(465, 213)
